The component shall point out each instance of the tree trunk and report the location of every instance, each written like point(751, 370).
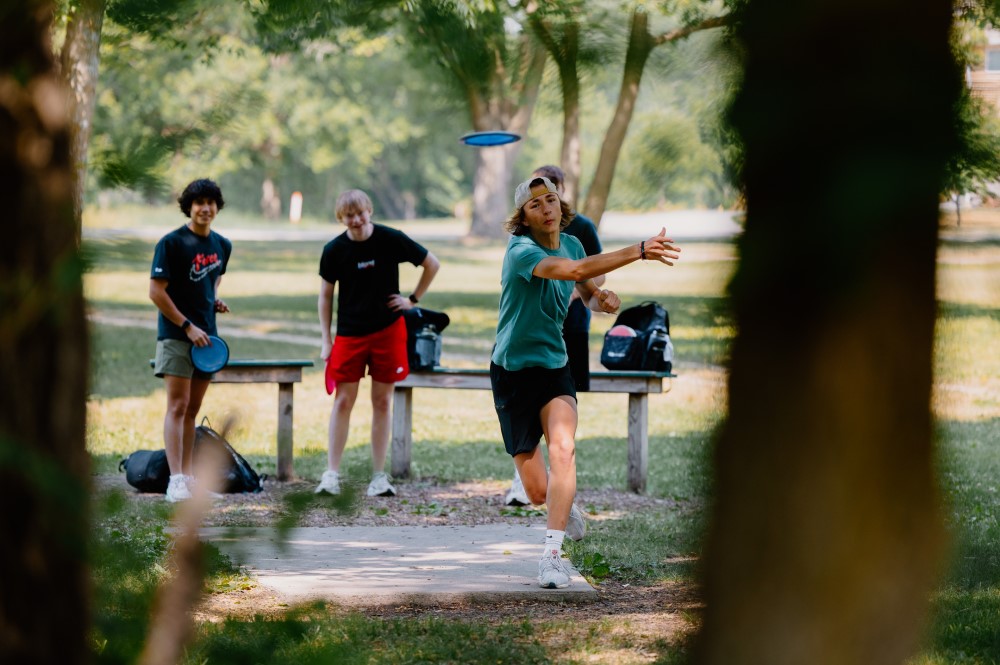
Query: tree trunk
point(640, 45)
point(44, 616)
point(826, 534)
point(569, 79)
point(270, 200)
point(493, 189)
point(81, 56)
point(566, 54)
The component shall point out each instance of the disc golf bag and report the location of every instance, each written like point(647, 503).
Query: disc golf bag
point(650, 349)
point(423, 337)
point(237, 475)
point(147, 470)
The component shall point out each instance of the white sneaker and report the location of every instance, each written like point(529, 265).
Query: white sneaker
point(576, 527)
point(380, 485)
point(177, 489)
point(552, 572)
point(516, 496)
point(329, 483)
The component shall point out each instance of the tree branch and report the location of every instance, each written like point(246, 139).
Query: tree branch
point(681, 33)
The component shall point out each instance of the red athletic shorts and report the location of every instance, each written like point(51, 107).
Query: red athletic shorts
point(383, 352)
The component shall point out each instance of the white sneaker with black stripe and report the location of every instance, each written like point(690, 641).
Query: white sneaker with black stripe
point(516, 496)
point(576, 527)
point(380, 485)
point(552, 572)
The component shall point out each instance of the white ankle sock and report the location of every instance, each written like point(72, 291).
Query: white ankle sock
point(553, 542)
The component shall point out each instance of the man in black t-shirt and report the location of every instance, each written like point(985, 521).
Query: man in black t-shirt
point(371, 332)
point(188, 264)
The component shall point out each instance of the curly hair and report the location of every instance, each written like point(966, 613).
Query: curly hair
point(202, 188)
point(514, 224)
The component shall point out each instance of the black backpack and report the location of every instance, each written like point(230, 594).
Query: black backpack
point(651, 348)
point(147, 470)
point(423, 337)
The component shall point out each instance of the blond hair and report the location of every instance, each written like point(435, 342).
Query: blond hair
point(352, 199)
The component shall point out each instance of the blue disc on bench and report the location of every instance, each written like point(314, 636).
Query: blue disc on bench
point(211, 358)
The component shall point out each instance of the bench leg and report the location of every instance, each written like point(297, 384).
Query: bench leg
point(285, 395)
point(402, 431)
point(638, 441)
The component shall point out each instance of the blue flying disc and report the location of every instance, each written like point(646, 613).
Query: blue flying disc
point(487, 139)
point(211, 358)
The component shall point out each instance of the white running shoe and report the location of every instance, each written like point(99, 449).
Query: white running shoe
point(576, 527)
point(177, 489)
point(329, 483)
point(552, 573)
point(516, 496)
point(380, 485)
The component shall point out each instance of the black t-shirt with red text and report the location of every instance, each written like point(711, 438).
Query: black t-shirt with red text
point(368, 273)
point(190, 264)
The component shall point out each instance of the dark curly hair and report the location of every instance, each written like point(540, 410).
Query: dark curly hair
point(202, 188)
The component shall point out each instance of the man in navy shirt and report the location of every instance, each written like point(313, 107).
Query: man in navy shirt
point(188, 264)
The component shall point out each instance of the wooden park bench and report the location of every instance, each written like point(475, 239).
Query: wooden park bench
point(283, 372)
point(638, 385)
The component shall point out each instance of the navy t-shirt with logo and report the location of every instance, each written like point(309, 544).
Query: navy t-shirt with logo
point(368, 273)
point(191, 264)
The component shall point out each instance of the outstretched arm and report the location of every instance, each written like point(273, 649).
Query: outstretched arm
point(658, 248)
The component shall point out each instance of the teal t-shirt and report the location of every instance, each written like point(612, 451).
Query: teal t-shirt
point(532, 309)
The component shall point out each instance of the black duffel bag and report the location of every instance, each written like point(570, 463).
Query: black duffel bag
point(650, 349)
point(147, 470)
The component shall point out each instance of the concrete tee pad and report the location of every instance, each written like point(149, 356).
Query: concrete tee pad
point(397, 565)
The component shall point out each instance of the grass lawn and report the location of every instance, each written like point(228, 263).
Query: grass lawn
point(272, 288)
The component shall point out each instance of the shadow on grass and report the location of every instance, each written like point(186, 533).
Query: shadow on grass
point(964, 611)
point(951, 310)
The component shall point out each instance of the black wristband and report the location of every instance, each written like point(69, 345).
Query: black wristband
point(413, 299)
point(186, 324)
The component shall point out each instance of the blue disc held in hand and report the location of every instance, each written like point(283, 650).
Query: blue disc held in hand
point(211, 358)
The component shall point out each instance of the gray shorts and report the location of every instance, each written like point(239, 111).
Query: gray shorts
point(173, 357)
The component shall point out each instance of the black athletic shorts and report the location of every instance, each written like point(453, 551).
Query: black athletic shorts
point(578, 350)
point(519, 397)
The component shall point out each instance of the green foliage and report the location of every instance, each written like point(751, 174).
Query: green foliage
point(976, 163)
point(318, 120)
point(311, 636)
point(670, 163)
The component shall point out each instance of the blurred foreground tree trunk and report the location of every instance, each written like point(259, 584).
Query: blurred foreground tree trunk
point(44, 615)
point(826, 532)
